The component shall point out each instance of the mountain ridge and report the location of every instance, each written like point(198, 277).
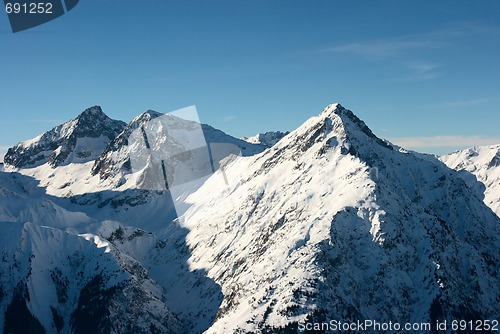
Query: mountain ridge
point(382, 214)
point(330, 222)
point(55, 146)
point(60, 159)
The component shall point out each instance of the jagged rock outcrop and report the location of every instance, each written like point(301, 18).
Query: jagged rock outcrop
point(79, 140)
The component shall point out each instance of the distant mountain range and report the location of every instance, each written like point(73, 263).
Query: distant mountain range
point(267, 139)
point(328, 222)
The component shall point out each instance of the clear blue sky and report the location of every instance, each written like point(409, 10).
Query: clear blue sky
point(421, 73)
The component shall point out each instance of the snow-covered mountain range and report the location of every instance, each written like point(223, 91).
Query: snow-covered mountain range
point(328, 222)
point(267, 139)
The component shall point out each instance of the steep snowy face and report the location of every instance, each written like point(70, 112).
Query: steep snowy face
point(24, 201)
point(79, 140)
point(58, 274)
point(68, 271)
point(267, 139)
point(334, 223)
point(115, 159)
point(56, 282)
point(169, 136)
point(479, 164)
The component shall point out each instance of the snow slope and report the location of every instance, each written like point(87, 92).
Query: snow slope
point(332, 223)
point(58, 274)
point(484, 163)
point(56, 282)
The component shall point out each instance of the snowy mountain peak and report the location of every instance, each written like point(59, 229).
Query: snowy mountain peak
point(94, 111)
point(92, 122)
point(335, 127)
point(310, 228)
point(152, 113)
point(337, 109)
point(78, 140)
point(348, 117)
point(182, 136)
point(332, 108)
point(143, 118)
point(268, 139)
point(115, 159)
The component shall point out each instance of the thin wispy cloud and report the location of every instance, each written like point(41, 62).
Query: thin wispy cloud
point(402, 45)
point(383, 48)
point(420, 71)
point(469, 102)
point(229, 118)
point(422, 67)
point(466, 103)
point(444, 141)
point(459, 29)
